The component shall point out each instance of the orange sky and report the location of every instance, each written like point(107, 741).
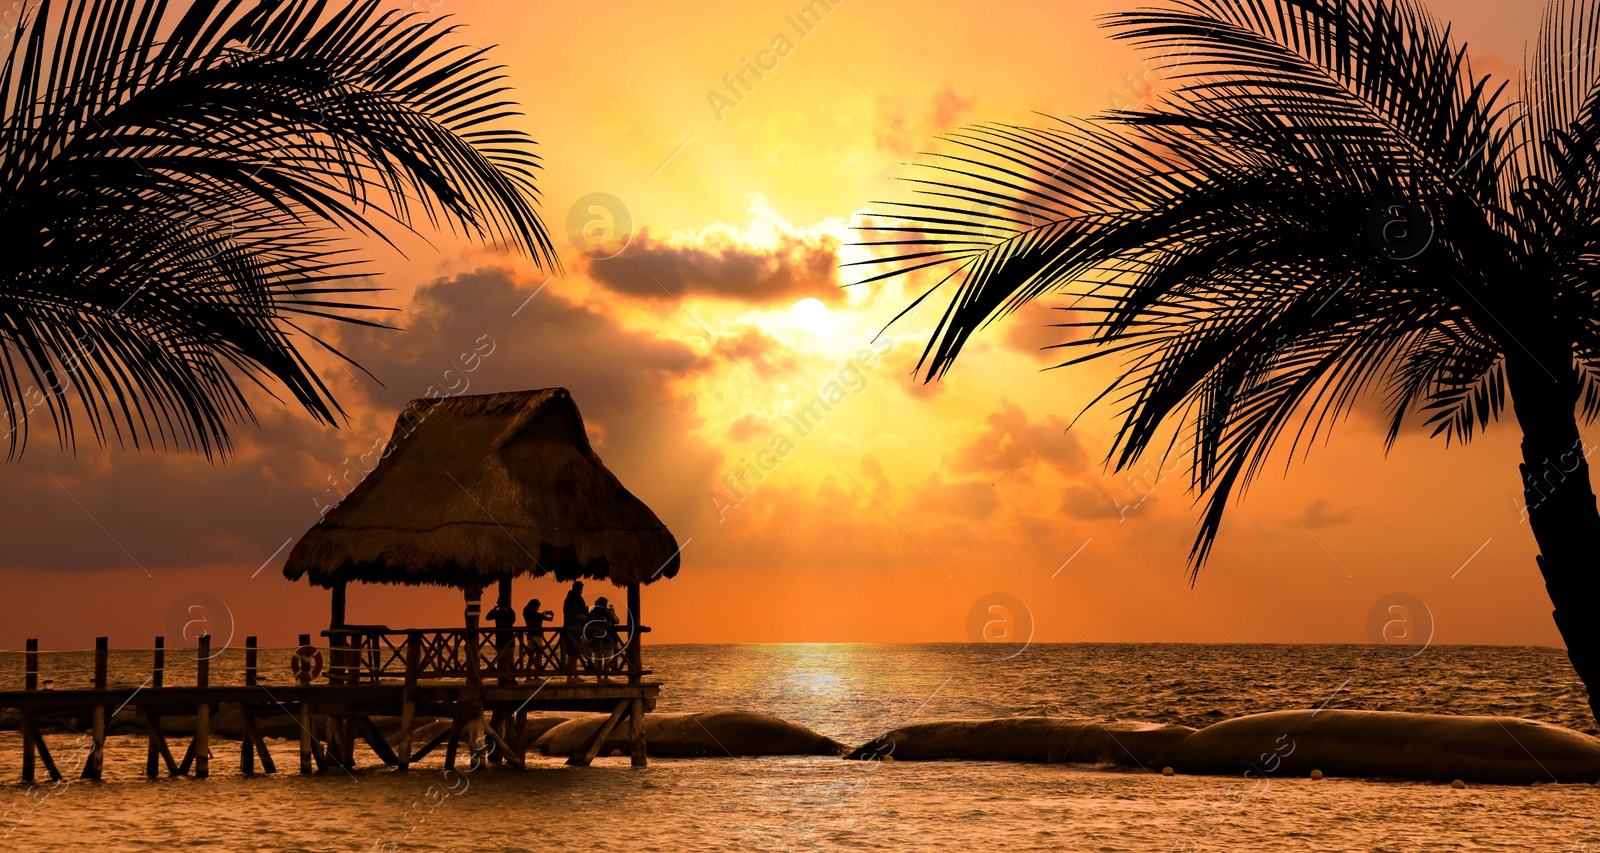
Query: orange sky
point(907, 504)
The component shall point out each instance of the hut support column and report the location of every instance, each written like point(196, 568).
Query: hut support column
point(472, 697)
point(505, 654)
point(636, 744)
point(635, 636)
point(636, 733)
point(408, 702)
point(337, 618)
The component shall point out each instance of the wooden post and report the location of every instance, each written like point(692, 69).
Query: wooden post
point(473, 594)
point(635, 636)
point(505, 645)
point(340, 751)
point(252, 735)
point(472, 697)
point(305, 723)
point(202, 719)
point(30, 682)
point(636, 747)
point(94, 765)
point(158, 749)
point(158, 674)
point(247, 743)
point(519, 735)
point(152, 722)
point(338, 606)
point(450, 747)
point(583, 759)
point(102, 655)
point(408, 696)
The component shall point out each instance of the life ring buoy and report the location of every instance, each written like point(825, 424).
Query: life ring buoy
point(306, 663)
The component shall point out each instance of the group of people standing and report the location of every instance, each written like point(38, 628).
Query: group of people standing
point(586, 631)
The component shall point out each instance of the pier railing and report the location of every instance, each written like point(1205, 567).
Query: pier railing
point(373, 671)
point(373, 653)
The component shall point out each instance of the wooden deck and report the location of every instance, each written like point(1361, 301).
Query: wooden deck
point(485, 683)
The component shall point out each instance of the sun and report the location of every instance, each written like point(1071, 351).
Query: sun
point(809, 314)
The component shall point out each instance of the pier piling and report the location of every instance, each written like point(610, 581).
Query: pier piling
point(94, 764)
point(202, 720)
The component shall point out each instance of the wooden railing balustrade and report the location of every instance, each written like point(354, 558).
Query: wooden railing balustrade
point(372, 653)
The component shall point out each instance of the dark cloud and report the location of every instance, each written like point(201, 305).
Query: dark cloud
point(476, 333)
point(481, 332)
point(621, 379)
point(138, 511)
point(652, 268)
point(1323, 514)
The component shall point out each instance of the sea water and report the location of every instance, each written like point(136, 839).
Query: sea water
point(854, 693)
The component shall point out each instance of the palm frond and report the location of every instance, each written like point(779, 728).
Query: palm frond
point(176, 181)
point(1221, 237)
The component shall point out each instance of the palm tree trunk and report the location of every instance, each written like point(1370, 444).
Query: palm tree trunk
point(1561, 503)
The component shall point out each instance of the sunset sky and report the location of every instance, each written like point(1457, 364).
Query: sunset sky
point(908, 503)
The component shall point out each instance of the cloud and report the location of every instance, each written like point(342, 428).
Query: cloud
point(478, 332)
point(753, 348)
point(1089, 502)
point(483, 331)
point(749, 426)
point(896, 129)
point(765, 260)
point(625, 381)
point(1012, 444)
point(116, 508)
point(949, 109)
point(1034, 329)
point(1323, 514)
point(872, 468)
point(972, 501)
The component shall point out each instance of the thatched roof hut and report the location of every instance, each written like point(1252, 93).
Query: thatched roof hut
point(476, 489)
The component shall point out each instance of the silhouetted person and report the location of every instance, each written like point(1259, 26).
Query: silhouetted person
point(574, 612)
point(505, 621)
point(503, 617)
point(535, 618)
point(601, 632)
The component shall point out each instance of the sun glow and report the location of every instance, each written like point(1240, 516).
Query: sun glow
point(810, 315)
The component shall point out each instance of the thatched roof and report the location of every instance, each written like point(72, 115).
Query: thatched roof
point(477, 488)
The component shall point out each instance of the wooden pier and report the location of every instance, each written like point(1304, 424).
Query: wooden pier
point(471, 492)
point(484, 682)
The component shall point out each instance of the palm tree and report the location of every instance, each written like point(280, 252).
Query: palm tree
point(1326, 203)
point(174, 186)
